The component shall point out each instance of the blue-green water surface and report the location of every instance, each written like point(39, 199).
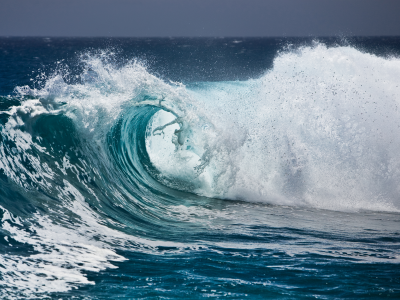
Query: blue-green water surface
point(199, 168)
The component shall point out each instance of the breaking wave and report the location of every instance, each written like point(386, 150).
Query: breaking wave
point(111, 153)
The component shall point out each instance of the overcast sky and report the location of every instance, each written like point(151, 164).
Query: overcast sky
point(199, 18)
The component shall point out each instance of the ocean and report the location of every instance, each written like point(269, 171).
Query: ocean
point(191, 168)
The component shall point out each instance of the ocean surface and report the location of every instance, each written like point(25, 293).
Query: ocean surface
point(200, 168)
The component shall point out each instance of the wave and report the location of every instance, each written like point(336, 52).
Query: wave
point(320, 128)
point(115, 152)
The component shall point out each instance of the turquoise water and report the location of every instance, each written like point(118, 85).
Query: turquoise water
point(199, 168)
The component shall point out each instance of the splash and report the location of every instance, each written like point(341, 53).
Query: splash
point(320, 129)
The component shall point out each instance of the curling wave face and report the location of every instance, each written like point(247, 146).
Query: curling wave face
point(118, 153)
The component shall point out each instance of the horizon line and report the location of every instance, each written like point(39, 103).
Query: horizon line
point(197, 37)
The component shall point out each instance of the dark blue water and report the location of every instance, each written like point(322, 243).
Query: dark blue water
point(199, 168)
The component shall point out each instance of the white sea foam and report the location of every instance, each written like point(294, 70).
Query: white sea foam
point(65, 252)
point(321, 128)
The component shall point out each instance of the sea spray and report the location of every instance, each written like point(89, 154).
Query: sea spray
point(321, 129)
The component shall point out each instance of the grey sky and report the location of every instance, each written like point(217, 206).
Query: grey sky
point(196, 18)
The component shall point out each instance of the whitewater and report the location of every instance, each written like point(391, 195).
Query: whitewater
point(119, 182)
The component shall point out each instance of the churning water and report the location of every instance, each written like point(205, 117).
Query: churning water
point(194, 168)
